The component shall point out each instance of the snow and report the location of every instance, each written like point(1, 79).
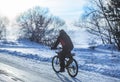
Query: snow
point(26, 61)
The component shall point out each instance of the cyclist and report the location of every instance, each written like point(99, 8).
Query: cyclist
point(67, 46)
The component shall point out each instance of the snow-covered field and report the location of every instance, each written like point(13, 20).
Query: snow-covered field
point(25, 61)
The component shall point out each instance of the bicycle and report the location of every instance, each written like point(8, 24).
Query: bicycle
point(72, 69)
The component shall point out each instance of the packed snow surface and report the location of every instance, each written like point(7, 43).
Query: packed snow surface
point(26, 61)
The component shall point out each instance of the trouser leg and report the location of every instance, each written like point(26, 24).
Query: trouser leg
point(62, 56)
point(62, 60)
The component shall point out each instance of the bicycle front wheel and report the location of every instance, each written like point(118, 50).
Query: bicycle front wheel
point(72, 69)
point(55, 64)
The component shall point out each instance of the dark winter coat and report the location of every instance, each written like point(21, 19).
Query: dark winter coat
point(65, 41)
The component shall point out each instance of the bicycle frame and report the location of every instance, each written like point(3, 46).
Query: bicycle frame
point(72, 69)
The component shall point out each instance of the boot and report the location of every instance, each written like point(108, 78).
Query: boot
point(62, 70)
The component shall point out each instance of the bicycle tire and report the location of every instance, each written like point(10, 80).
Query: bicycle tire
point(55, 64)
point(69, 68)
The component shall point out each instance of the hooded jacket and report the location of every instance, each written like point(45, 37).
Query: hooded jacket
point(65, 41)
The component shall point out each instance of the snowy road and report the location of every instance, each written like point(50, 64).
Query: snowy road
point(16, 69)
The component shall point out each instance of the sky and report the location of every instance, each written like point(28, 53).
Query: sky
point(65, 9)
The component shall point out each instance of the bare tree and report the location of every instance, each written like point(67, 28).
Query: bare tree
point(35, 23)
point(57, 22)
point(112, 12)
point(94, 21)
point(102, 19)
point(3, 24)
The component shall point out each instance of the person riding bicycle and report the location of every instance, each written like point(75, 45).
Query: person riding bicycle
point(67, 47)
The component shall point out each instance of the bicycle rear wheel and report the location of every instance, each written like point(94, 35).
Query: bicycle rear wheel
point(72, 69)
point(55, 64)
